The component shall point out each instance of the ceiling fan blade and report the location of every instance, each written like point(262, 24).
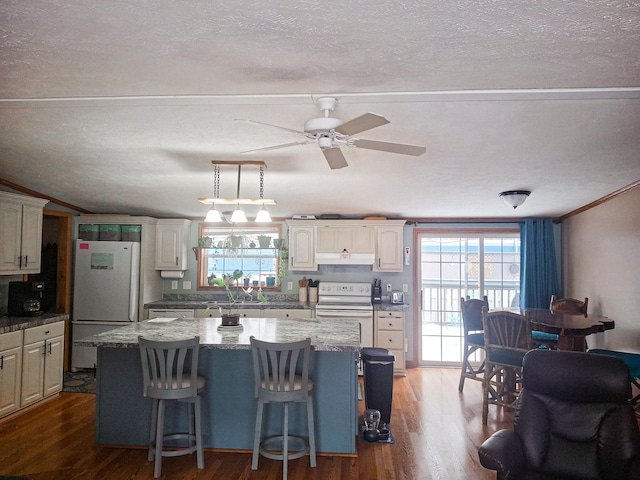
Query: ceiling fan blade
point(390, 147)
point(335, 158)
point(275, 147)
point(253, 122)
point(362, 123)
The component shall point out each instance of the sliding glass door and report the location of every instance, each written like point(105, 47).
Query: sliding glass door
point(453, 265)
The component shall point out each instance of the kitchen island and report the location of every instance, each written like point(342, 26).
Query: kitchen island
point(123, 415)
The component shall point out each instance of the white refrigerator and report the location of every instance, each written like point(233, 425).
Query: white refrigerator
point(105, 292)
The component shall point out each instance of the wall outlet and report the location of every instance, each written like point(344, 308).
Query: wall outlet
point(388, 287)
point(289, 285)
point(186, 285)
point(405, 287)
point(174, 284)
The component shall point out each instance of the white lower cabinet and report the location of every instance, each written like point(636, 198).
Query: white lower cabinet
point(10, 372)
point(171, 313)
point(213, 312)
point(261, 313)
point(42, 362)
point(389, 334)
point(286, 313)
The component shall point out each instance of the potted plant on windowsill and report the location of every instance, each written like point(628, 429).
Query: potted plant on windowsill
point(230, 283)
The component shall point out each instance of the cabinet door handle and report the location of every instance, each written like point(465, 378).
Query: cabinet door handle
point(44, 349)
point(176, 261)
point(49, 348)
point(26, 261)
point(1, 362)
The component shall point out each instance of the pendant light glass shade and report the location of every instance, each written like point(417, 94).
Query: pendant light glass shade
point(263, 215)
point(213, 215)
point(238, 216)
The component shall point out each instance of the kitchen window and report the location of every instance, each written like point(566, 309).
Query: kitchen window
point(255, 250)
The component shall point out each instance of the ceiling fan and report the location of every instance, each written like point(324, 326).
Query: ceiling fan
point(330, 133)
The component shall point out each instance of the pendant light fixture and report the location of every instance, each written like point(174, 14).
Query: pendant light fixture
point(213, 215)
point(239, 215)
point(263, 215)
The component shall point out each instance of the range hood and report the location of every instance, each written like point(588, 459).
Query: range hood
point(344, 258)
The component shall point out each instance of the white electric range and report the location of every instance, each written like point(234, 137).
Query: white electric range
point(347, 300)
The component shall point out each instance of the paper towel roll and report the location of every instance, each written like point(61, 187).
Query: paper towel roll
point(172, 273)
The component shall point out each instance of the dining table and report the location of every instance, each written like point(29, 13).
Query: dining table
point(572, 329)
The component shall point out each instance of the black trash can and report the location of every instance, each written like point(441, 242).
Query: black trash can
point(378, 380)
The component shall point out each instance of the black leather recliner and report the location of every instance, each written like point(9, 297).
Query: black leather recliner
point(573, 420)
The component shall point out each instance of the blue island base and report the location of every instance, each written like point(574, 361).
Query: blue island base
point(123, 415)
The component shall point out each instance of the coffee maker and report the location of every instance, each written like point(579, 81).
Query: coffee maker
point(25, 299)
point(376, 291)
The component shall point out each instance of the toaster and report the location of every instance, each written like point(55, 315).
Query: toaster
point(397, 298)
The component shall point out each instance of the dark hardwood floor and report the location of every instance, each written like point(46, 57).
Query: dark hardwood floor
point(437, 433)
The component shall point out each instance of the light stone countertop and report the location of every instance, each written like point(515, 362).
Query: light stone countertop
point(333, 335)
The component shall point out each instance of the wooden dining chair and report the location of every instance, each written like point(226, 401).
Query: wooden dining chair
point(507, 338)
point(471, 310)
point(571, 306)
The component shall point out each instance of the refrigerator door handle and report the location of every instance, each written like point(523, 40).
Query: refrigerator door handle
point(133, 297)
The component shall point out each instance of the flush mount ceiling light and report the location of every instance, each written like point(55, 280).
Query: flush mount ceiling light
point(515, 198)
point(239, 216)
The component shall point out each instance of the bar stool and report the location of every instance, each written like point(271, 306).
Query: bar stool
point(281, 375)
point(169, 369)
point(471, 310)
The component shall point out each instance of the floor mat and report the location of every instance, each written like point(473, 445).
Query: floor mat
point(82, 381)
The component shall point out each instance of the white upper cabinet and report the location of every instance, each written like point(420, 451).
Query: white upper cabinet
point(389, 248)
point(302, 248)
point(172, 244)
point(346, 242)
point(20, 233)
point(352, 239)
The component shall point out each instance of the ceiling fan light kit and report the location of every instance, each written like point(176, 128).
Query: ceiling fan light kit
point(238, 216)
point(515, 198)
point(329, 133)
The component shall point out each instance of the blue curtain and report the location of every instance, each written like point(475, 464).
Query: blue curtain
point(538, 269)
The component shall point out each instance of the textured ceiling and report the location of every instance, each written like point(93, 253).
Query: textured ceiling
point(119, 107)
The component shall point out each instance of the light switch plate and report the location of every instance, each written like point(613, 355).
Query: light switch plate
point(388, 287)
point(405, 287)
point(186, 285)
point(289, 285)
point(174, 284)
